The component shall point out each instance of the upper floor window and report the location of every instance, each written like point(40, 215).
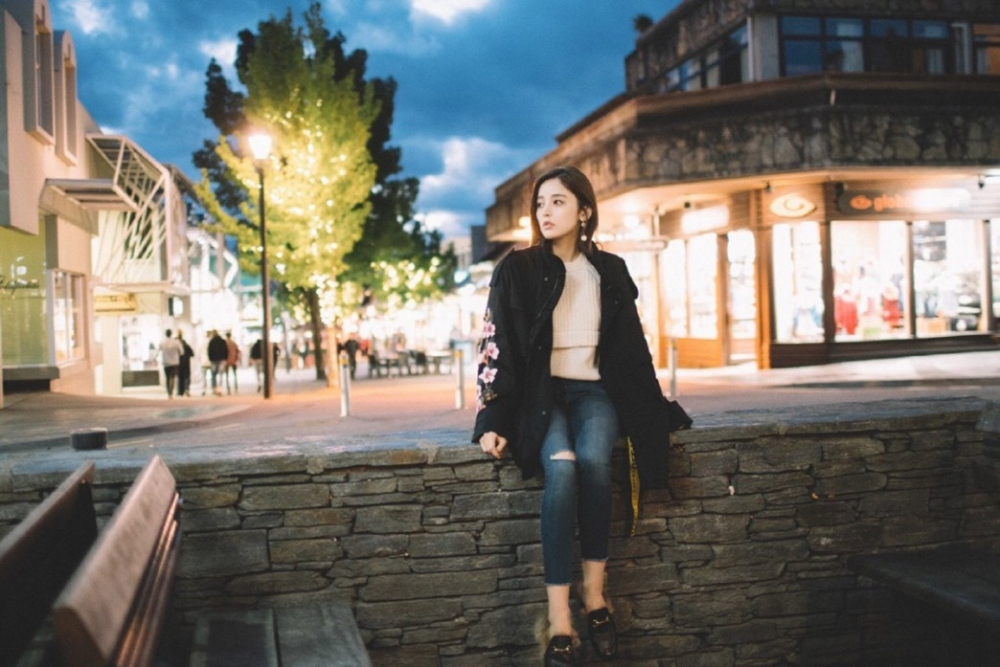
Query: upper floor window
point(724, 62)
point(986, 45)
point(832, 44)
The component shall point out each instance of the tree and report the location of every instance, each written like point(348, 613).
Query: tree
point(392, 240)
point(320, 175)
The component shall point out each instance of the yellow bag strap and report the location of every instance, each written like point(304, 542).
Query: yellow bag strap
point(633, 478)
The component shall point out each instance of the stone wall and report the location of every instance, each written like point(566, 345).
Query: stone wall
point(740, 563)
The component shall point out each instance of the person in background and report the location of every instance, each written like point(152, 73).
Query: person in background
point(232, 362)
point(257, 358)
point(564, 368)
point(170, 354)
point(184, 370)
point(218, 353)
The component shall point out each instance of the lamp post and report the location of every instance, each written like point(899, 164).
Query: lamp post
point(260, 146)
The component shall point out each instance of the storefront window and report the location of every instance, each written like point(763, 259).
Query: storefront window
point(742, 289)
point(869, 275)
point(673, 274)
point(22, 299)
point(67, 315)
point(995, 264)
point(702, 278)
point(798, 283)
point(640, 267)
point(947, 276)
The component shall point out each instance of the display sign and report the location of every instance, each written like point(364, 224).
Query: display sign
point(115, 304)
point(904, 203)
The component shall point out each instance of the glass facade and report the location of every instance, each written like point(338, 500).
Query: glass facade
point(798, 283)
point(67, 315)
point(23, 299)
point(811, 44)
point(721, 64)
point(869, 279)
point(948, 276)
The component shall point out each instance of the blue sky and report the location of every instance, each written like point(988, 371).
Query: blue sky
point(483, 85)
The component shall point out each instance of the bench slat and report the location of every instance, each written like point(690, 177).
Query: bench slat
point(39, 556)
point(235, 639)
point(963, 581)
point(92, 612)
point(320, 636)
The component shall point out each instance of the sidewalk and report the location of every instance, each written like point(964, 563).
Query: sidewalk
point(40, 420)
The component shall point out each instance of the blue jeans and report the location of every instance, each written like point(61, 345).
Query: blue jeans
point(577, 492)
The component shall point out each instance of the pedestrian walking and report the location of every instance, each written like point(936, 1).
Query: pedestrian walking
point(232, 362)
point(218, 353)
point(184, 369)
point(257, 358)
point(170, 355)
point(564, 368)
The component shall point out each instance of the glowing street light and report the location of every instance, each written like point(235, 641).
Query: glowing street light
point(260, 146)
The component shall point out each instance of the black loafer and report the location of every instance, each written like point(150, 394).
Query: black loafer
point(559, 652)
point(603, 633)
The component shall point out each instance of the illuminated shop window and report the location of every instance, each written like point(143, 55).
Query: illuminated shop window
point(947, 276)
point(67, 316)
point(798, 283)
point(742, 286)
point(673, 275)
point(702, 277)
point(869, 279)
point(22, 299)
point(995, 264)
point(986, 42)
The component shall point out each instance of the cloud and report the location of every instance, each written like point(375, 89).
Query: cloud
point(224, 52)
point(446, 11)
point(470, 169)
point(140, 9)
point(378, 38)
point(89, 16)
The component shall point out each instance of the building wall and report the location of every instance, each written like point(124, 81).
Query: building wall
point(741, 563)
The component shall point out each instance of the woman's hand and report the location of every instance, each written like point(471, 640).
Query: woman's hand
point(493, 444)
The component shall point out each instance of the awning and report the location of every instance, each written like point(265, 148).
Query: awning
point(93, 194)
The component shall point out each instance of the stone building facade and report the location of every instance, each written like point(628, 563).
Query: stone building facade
point(798, 182)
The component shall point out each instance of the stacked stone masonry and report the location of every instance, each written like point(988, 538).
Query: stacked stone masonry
point(740, 563)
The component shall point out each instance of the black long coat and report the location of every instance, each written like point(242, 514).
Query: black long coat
point(514, 380)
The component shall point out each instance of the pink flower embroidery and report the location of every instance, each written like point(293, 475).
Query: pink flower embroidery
point(491, 351)
point(489, 330)
point(488, 375)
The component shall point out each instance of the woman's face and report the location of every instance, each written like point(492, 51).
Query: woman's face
point(558, 211)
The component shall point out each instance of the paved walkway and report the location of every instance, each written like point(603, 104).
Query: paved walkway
point(31, 420)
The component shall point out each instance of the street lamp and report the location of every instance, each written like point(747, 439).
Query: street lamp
point(260, 146)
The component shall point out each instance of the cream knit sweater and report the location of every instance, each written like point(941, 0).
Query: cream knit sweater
point(576, 323)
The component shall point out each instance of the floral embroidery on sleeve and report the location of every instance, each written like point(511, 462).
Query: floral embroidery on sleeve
point(488, 354)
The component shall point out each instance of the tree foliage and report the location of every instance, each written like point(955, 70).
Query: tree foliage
point(282, 68)
point(319, 174)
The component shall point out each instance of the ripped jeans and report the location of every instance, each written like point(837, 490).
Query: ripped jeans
point(578, 488)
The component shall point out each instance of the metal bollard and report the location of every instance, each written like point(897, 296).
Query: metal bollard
point(460, 387)
point(345, 386)
point(673, 368)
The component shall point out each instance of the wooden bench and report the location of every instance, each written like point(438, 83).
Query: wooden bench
point(314, 635)
point(961, 580)
point(38, 557)
point(956, 590)
point(112, 610)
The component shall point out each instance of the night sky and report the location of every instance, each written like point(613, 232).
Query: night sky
point(483, 85)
